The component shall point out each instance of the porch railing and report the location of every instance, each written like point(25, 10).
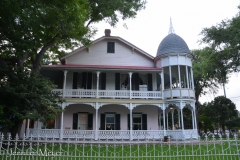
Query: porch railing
point(112, 134)
point(88, 93)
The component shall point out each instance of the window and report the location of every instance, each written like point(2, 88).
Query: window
point(110, 121)
point(137, 121)
point(110, 47)
point(124, 81)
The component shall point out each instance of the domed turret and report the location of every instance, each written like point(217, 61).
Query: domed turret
point(172, 43)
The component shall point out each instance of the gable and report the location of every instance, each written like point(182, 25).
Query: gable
point(97, 54)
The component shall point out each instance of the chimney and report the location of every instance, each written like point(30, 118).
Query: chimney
point(107, 32)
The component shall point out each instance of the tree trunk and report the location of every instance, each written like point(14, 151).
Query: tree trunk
point(39, 57)
point(16, 128)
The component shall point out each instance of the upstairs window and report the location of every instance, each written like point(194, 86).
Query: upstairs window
point(110, 47)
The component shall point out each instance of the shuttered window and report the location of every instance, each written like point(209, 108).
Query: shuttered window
point(139, 121)
point(110, 47)
point(110, 121)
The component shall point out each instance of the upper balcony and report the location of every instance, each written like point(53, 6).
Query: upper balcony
point(114, 94)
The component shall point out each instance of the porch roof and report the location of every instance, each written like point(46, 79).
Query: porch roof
point(101, 67)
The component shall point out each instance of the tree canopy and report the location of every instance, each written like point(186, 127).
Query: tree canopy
point(204, 81)
point(33, 30)
point(224, 110)
point(224, 39)
point(26, 95)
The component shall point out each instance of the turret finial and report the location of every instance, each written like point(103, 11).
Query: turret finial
point(171, 30)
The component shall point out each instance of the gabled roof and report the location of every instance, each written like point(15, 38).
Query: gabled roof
point(112, 38)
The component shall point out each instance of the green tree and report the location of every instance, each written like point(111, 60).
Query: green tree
point(233, 124)
point(224, 39)
point(203, 81)
point(205, 123)
point(25, 94)
point(223, 108)
point(35, 30)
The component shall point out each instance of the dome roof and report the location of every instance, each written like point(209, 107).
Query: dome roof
point(172, 43)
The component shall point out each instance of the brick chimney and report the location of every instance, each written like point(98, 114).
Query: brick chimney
point(107, 32)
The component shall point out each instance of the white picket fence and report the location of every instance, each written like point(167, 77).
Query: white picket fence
point(207, 148)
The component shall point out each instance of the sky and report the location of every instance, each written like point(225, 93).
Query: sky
point(189, 17)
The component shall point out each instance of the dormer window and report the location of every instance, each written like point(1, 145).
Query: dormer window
point(110, 47)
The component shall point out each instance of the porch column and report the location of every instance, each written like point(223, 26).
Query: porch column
point(162, 82)
point(192, 79)
point(170, 76)
point(167, 119)
point(164, 120)
point(96, 121)
point(64, 83)
point(130, 107)
point(159, 120)
point(98, 73)
point(179, 122)
point(28, 122)
point(172, 119)
point(195, 120)
point(182, 119)
point(61, 127)
point(179, 78)
point(187, 77)
point(130, 87)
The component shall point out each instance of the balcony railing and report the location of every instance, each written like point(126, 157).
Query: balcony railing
point(88, 93)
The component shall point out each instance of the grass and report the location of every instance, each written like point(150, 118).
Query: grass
point(221, 150)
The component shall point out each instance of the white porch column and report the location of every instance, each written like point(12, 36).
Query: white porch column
point(162, 82)
point(182, 115)
point(64, 83)
point(130, 87)
point(179, 122)
point(28, 122)
point(187, 77)
point(164, 120)
point(170, 75)
point(167, 119)
point(160, 119)
point(96, 121)
point(193, 120)
point(98, 73)
point(172, 119)
point(130, 107)
point(179, 77)
point(61, 126)
point(192, 79)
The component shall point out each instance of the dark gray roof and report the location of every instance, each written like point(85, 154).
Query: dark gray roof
point(172, 43)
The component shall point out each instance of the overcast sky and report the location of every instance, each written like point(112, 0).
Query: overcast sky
point(189, 17)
